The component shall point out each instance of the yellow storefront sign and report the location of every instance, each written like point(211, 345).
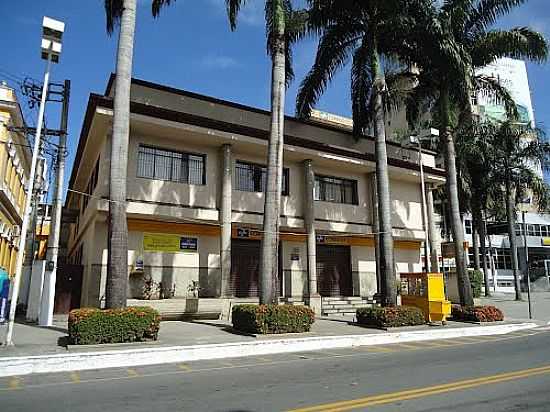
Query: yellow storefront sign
point(169, 243)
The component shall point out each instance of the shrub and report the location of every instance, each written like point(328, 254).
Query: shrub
point(476, 281)
point(390, 316)
point(267, 319)
point(476, 313)
point(90, 326)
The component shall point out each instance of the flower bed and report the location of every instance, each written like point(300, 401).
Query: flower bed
point(90, 326)
point(390, 316)
point(271, 319)
point(476, 313)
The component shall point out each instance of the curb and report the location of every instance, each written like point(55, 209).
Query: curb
point(174, 354)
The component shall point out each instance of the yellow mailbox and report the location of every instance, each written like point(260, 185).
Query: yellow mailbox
point(427, 292)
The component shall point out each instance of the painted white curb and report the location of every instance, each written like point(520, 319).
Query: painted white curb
point(172, 354)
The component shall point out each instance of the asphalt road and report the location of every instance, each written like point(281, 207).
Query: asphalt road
point(498, 373)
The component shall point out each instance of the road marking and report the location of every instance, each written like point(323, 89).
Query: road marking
point(264, 359)
point(15, 383)
point(227, 363)
point(75, 377)
point(132, 373)
point(356, 351)
point(472, 339)
point(185, 367)
point(377, 349)
point(434, 344)
point(407, 346)
point(426, 391)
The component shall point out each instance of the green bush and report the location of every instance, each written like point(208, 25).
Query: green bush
point(390, 316)
point(267, 319)
point(476, 313)
point(90, 326)
point(476, 281)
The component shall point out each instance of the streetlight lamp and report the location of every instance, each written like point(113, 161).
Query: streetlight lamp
point(416, 139)
point(52, 33)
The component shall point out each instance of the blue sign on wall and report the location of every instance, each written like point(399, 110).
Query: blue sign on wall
point(189, 243)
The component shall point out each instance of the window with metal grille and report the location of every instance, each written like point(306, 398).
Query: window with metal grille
point(163, 164)
point(335, 189)
point(250, 177)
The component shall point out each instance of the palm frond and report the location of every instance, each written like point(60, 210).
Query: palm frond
point(233, 7)
point(333, 52)
point(113, 14)
point(157, 5)
point(362, 80)
point(491, 86)
point(518, 43)
point(486, 13)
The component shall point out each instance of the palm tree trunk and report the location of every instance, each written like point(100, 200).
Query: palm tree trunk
point(483, 250)
point(511, 215)
point(270, 241)
point(387, 266)
point(117, 274)
point(464, 288)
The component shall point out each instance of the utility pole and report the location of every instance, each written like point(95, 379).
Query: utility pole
point(52, 32)
point(45, 317)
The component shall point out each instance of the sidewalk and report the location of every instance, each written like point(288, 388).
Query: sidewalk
point(43, 350)
point(514, 310)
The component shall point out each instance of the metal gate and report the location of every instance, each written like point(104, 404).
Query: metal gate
point(245, 267)
point(334, 270)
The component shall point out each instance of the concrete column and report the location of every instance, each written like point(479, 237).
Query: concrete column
point(432, 231)
point(225, 218)
point(309, 222)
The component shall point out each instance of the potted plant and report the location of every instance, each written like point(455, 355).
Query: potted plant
point(192, 302)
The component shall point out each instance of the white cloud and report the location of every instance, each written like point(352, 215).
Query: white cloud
point(219, 62)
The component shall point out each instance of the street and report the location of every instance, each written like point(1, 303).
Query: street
point(491, 373)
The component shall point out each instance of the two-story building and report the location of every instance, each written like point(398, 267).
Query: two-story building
point(196, 177)
point(15, 160)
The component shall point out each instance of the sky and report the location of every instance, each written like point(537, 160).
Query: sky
point(190, 46)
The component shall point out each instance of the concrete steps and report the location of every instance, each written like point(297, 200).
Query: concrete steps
point(344, 305)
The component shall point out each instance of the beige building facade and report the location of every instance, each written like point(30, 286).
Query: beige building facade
point(196, 174)
point(15, 161)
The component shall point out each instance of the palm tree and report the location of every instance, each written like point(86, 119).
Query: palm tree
point(447, 61)
point(513, 150)
point(282, 28)
point(119, 13)
point(367, 34)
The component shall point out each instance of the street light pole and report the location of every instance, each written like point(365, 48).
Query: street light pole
point(52, 31)
point(527, 265)
point(424, 208)
point(418, 140)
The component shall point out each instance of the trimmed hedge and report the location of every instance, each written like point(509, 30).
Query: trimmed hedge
point(476, 313)
point(272, 319)
point(91, 326)
point(476, 281)
point(388, 317)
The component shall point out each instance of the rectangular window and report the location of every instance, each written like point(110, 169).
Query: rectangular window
point(163, 164)
point(250, 177)
point(531, 230)
point(335, 189)
point(468, 226)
